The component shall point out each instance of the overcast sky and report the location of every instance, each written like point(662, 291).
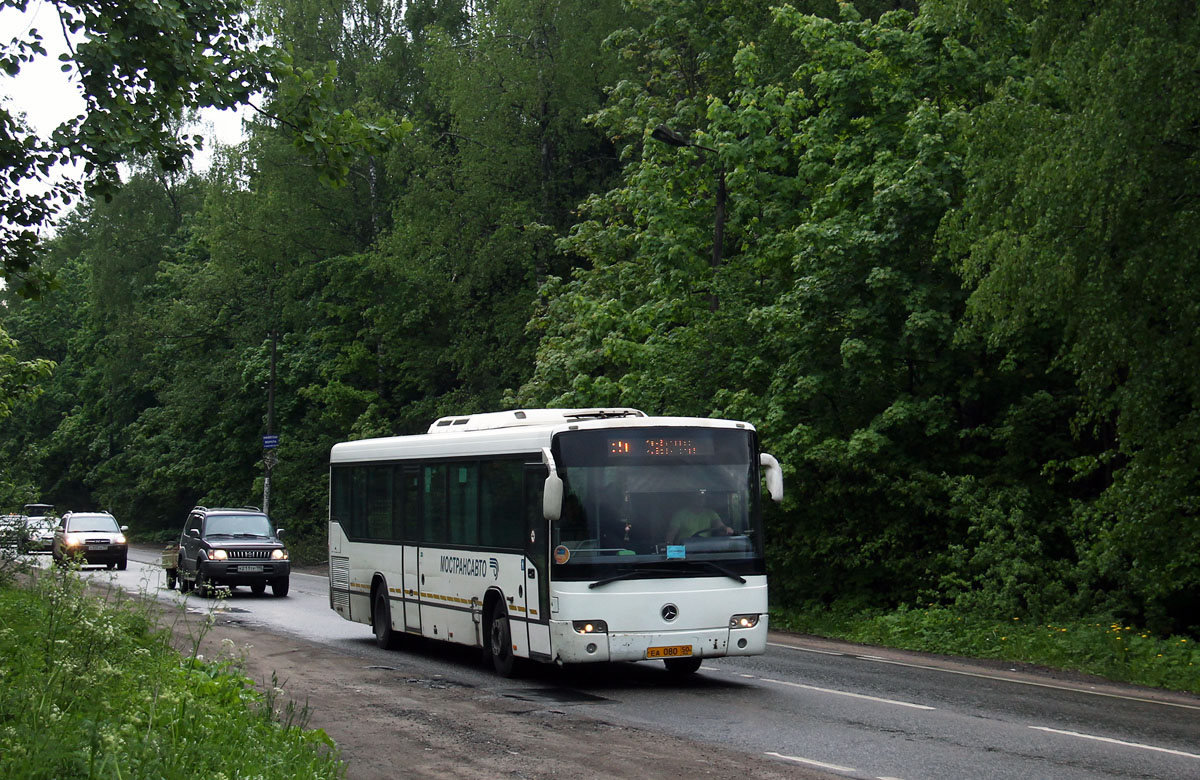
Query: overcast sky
point(47, 98)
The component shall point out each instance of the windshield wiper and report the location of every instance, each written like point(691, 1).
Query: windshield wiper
point(721, 569)
point(250, 536)
point(628, 575)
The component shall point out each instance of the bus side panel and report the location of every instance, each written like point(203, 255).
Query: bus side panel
point(454, 583)
point(412, 589)
point(344, 595)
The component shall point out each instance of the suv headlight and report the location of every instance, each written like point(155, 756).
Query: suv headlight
point(279, 555)
point(218, 555)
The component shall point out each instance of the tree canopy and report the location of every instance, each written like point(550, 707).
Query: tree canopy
point(952, 286)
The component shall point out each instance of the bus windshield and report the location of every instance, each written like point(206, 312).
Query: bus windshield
point(678, 499)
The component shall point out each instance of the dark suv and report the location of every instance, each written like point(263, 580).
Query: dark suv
point(232, 547)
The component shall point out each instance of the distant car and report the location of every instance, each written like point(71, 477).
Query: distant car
point(13, 534)
point(94, 537)
point(222, 546)
point(39, 527)
point(39, 534)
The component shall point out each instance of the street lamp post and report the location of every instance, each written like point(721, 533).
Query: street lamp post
point(672, 138)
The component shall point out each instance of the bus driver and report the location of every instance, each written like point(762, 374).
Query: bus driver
point(695, 517)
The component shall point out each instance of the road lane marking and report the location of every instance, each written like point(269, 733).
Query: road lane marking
point(811, 762)
point(851, 695)
point(804, 649)
point(1001, 678)
point(997, 677)
point(1112, 741)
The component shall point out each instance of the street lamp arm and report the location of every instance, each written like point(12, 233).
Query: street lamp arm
point(672, 138)
point(669, 136)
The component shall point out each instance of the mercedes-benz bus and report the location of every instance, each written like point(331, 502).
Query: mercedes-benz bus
point(557, 535)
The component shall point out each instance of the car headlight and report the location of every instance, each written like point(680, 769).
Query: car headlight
point(590, 626)
point(279, 555)
point(743, 621)
point(119, 539)
point(218, 555)
point(73, 540)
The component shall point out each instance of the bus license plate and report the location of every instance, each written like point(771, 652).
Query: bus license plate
point(251, 569)
point(673, 651)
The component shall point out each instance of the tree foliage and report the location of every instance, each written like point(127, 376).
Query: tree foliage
point(953, 285)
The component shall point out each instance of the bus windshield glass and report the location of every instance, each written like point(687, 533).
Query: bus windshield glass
point(665, 500)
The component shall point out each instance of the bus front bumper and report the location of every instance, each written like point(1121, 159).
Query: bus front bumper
point(572, 647)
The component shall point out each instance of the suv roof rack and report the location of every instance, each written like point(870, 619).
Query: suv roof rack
point(522, 417)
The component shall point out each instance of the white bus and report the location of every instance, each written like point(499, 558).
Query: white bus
point(558, 535)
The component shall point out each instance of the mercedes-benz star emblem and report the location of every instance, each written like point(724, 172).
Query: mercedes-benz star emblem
point(670, 612)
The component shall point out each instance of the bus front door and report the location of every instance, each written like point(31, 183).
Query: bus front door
point(537, 563)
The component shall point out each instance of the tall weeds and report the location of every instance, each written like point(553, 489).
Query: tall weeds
point(91, 688)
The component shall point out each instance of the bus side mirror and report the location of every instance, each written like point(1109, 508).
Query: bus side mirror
point(552, 497)
point(552, 493)
point(774, 475)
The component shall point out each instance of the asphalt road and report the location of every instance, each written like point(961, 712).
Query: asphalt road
point(847, 710)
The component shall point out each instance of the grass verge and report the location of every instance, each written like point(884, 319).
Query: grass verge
point(91, 688)
point(1102, 647)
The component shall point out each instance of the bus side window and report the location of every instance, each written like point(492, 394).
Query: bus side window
point(464, 503)
point(339, 497)
point(433, 507)
point(410, 495)
point(358, 502)
point(379, 503)
point(501, 521)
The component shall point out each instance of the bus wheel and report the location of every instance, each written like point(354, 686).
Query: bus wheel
point(682, 665)
point(381, 619)
point(500, 638)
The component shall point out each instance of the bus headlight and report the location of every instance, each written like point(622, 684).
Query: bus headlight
point(590, 626)
point(218, 555)
point(743, 621)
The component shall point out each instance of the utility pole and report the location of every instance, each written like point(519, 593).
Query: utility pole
point(270, 441)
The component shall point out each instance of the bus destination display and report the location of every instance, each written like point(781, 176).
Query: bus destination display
point(661, 446)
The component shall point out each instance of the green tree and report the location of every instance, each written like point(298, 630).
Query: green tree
point(1081, 224)
point(140, 68)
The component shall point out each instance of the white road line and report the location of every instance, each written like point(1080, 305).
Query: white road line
point(847, 693)
point(1002, 678)
point(1112, 741)
point(810, 762)
point(804, 649)
point(998, 678)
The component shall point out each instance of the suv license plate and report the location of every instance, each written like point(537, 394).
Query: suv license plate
point(251, 569)
point(97, 546)
point(673, 651)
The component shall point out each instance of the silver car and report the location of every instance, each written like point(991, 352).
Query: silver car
point(93, 537)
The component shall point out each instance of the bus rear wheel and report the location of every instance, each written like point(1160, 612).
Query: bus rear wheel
point(500, 641)
point(381, 620)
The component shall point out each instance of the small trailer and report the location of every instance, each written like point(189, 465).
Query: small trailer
point(170, 563)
